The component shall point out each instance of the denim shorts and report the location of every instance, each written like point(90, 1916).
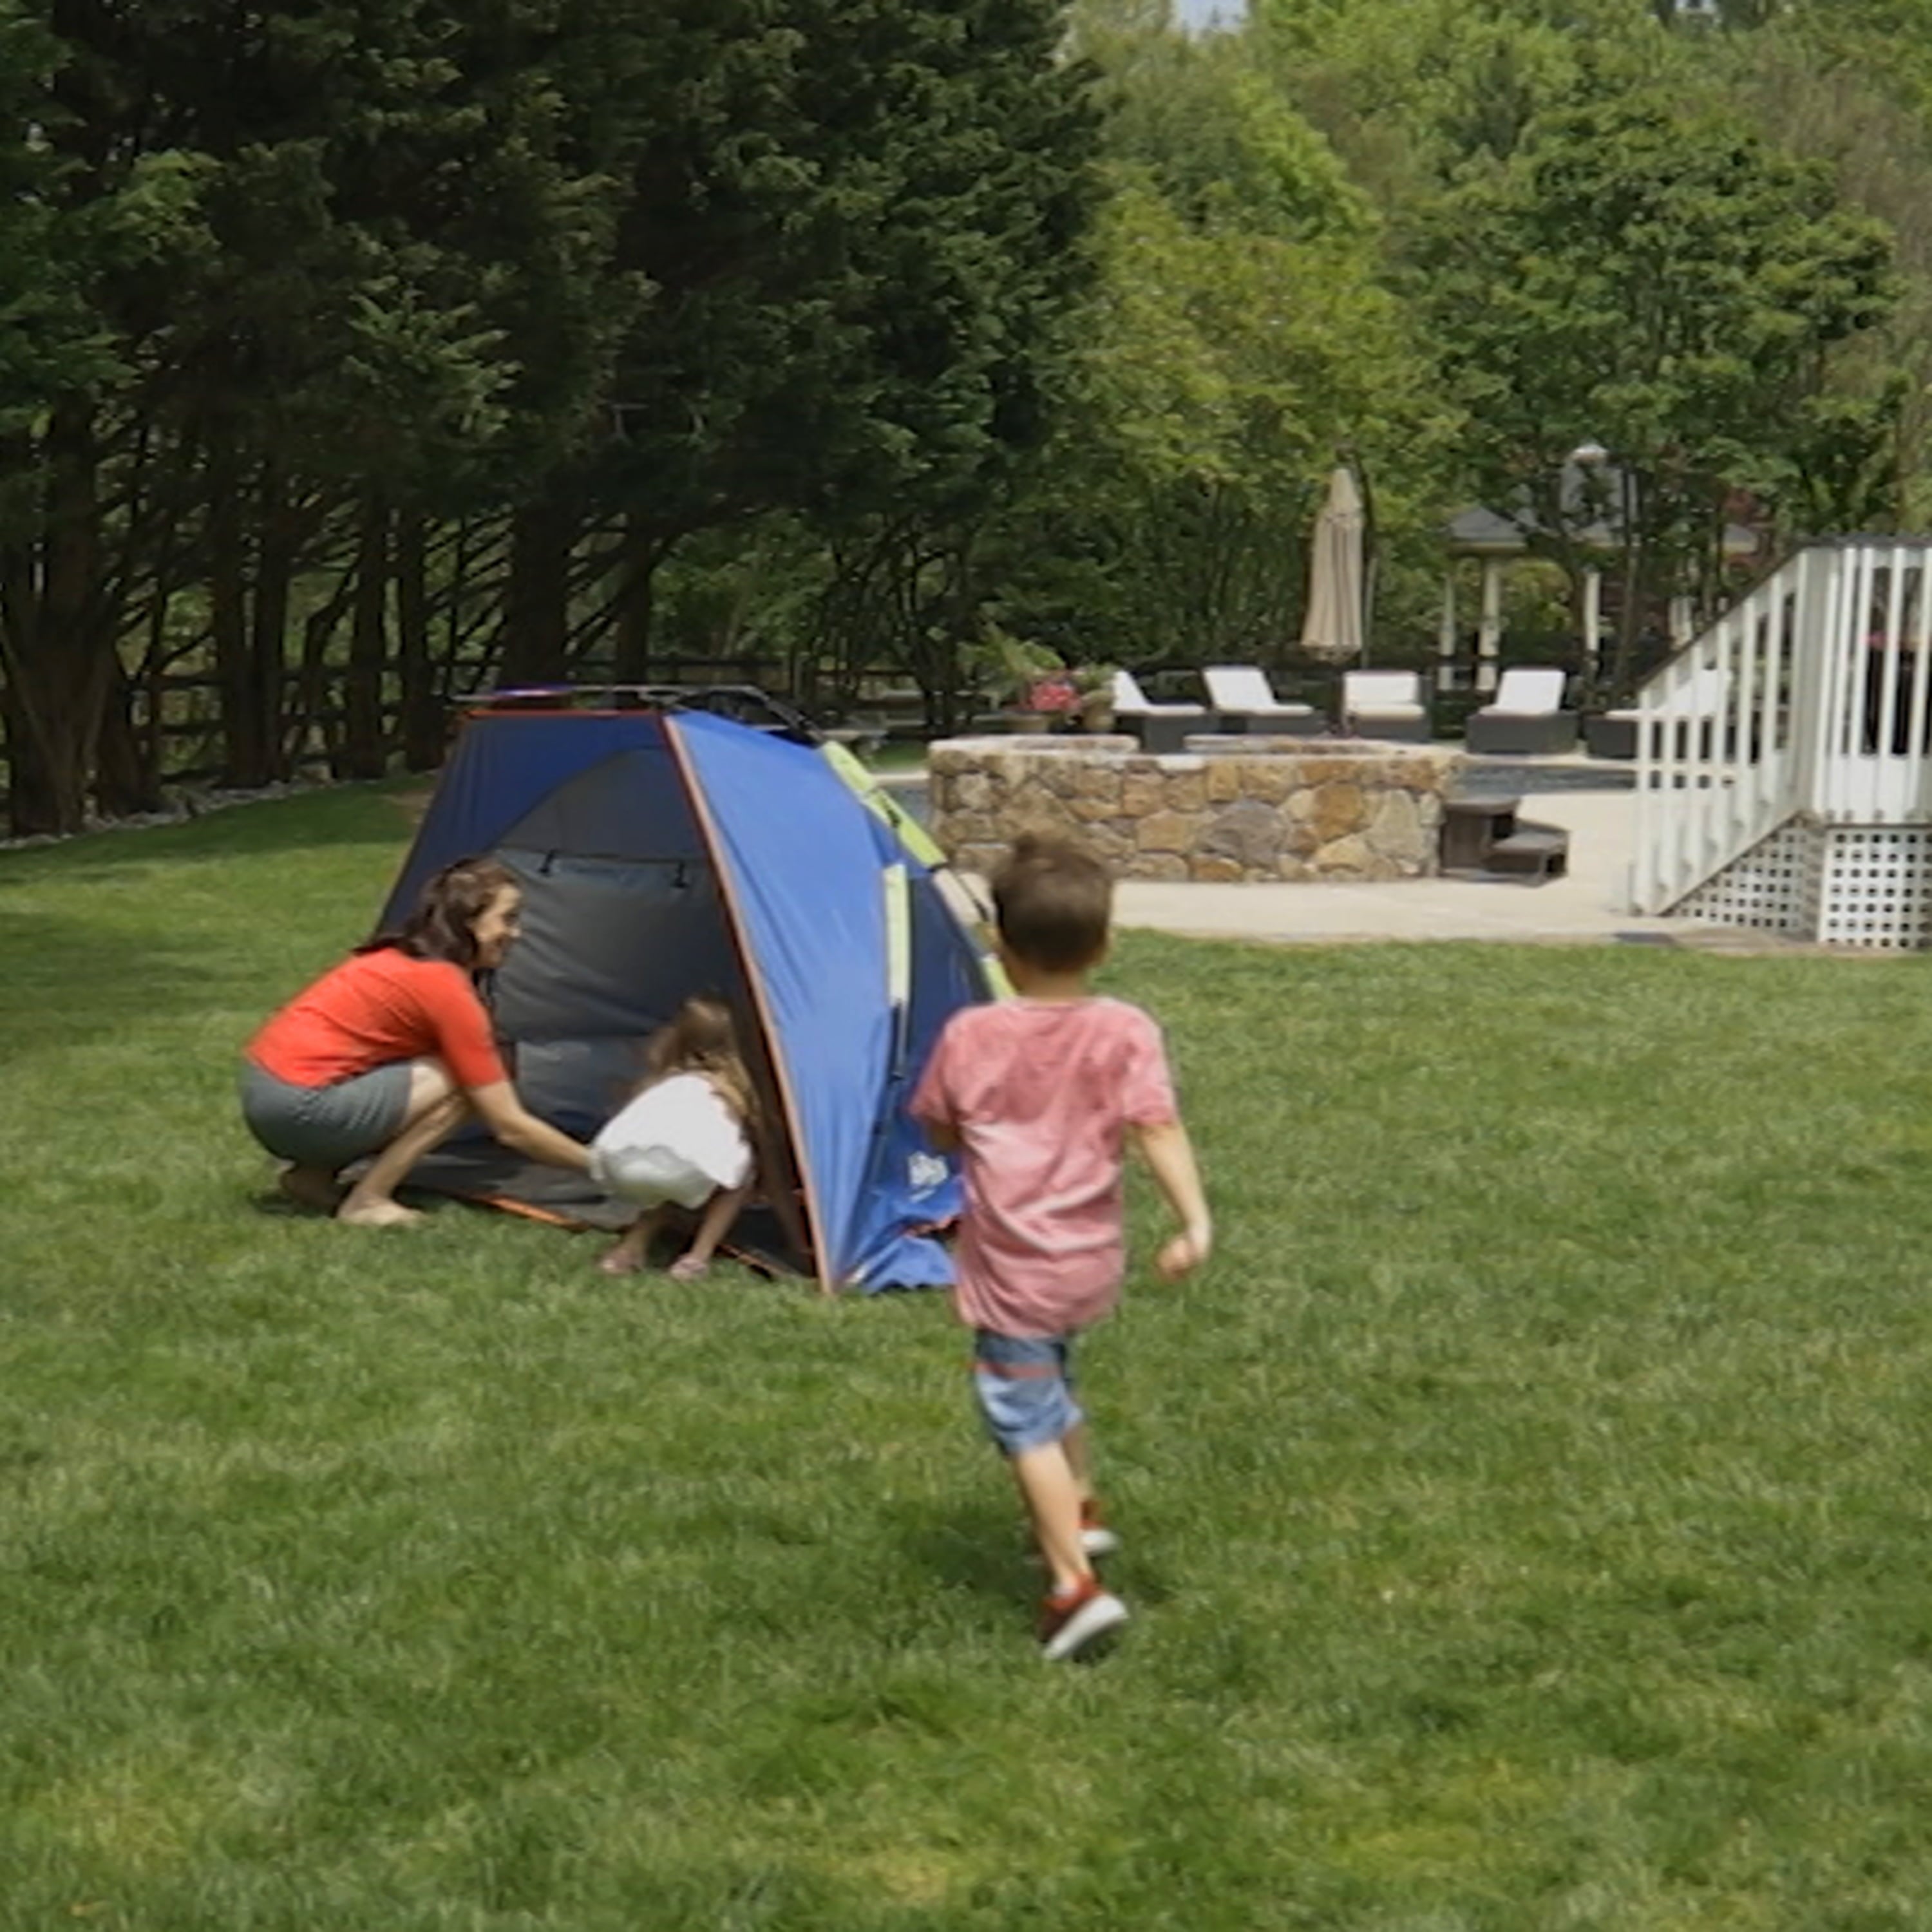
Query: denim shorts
point(326, 1126)
point(1025, 1388)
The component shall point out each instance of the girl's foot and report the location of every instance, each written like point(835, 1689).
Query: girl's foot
point(620, 1261)
point(312, 1187)
point(377, 1214)
point(689, 1267)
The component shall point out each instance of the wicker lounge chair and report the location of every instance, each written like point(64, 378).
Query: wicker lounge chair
point(1160, 727)
point(1246, 702)
point(1527, 716)
point(1384, 704)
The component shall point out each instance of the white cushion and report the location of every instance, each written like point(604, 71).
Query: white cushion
point(1243, 688)
point(1385, 692)
point(1129, 699)
point(1528, 692)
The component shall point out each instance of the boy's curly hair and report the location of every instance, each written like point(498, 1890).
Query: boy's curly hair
point(1054, 902)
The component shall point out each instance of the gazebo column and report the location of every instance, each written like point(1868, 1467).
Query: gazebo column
point(1445, 636)
point(1593, 622)
point(1490, 636)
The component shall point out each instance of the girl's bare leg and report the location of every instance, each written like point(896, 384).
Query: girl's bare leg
point(633, 1245)
point(436, 1104)
point(720, 1211)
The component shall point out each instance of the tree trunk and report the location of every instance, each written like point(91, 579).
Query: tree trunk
point(56, 638)
point(365, 752)
point(422, 733)
point(642, 551)
point(248, 754)
point(127, 778)
point(268, 643)
point(309, 730)
point(536, 604)
point(37, 800)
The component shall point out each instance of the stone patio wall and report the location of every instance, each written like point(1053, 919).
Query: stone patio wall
point(1229, 809)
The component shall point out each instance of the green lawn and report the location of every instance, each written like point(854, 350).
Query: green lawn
point(1528, 1517)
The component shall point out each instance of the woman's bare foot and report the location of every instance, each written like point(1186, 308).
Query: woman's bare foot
point(621, 1260)
point(376, 1213)
point(689, 1267)
point(311, 1187)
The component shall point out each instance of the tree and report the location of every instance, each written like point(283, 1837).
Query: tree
point(859, 228)
point(1240, 338)
point(1663, 285)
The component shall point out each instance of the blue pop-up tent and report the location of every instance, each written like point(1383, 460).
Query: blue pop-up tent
point(667, 853)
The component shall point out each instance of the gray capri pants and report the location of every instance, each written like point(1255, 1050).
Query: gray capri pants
point(326, 1126)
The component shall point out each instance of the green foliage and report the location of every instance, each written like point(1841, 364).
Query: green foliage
point(1667, 287)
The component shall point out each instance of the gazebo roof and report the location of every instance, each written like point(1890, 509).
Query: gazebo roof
point(1479, 532)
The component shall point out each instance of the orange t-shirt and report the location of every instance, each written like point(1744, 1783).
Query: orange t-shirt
point(376, 1008)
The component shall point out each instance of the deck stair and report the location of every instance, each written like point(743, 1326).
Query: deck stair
point(1802, 804)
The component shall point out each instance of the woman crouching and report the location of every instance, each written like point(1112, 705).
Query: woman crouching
point(386, 1053)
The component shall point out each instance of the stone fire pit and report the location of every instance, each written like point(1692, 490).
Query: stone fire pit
point(1227, 809)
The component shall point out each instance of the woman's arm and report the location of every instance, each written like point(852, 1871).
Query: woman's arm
point(515, 1126)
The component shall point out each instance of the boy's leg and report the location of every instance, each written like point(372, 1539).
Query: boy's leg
point(1079, 1460)
point(1025, 1394)
point(1096, 1538)
point(1052, 1496)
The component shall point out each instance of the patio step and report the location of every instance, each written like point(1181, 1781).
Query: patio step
point(1532, 851)
point(1482, 838)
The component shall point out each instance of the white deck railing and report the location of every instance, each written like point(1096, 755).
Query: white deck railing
point(1809, 697)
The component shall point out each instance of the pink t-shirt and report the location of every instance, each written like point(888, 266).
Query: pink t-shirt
point(1039, 1093)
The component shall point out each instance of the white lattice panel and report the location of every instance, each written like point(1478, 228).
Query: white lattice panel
point(1773, 887)
point(1876, 889)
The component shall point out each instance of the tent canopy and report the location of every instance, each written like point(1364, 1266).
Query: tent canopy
point(663, 854)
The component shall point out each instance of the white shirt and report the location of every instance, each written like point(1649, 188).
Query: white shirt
point(677, 1141)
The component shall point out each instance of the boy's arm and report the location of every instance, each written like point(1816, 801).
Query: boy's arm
point(932, 1103)
point(1169, 1155)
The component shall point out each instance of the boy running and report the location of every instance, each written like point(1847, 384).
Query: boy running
point(1039, 1093)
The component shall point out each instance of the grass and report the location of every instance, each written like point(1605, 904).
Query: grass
point(1527, 1517)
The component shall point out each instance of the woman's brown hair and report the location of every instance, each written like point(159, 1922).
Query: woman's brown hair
point(443, 925)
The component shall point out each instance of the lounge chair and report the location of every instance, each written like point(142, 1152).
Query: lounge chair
point(1612, 734)
point(1160, 727)
point(1526, 716)
point(1384, 704)
point(1246, 702)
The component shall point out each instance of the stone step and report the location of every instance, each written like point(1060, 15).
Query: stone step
point(1538, 852)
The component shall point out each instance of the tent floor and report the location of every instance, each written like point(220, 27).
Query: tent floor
point(488, 1173)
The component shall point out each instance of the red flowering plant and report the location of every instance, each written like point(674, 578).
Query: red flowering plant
point(1029, 676)
point(1056, 692)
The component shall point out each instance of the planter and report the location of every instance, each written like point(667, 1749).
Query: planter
point(1029, 722)
point(1096, 716)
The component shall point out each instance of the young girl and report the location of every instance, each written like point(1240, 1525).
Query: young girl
point(684, 1139)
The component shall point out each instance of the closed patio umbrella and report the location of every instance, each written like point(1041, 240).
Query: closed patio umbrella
point(1331, 632)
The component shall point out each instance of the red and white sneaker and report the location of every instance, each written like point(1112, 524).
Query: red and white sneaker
point(1096, 1538)
point(1073, 1619)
